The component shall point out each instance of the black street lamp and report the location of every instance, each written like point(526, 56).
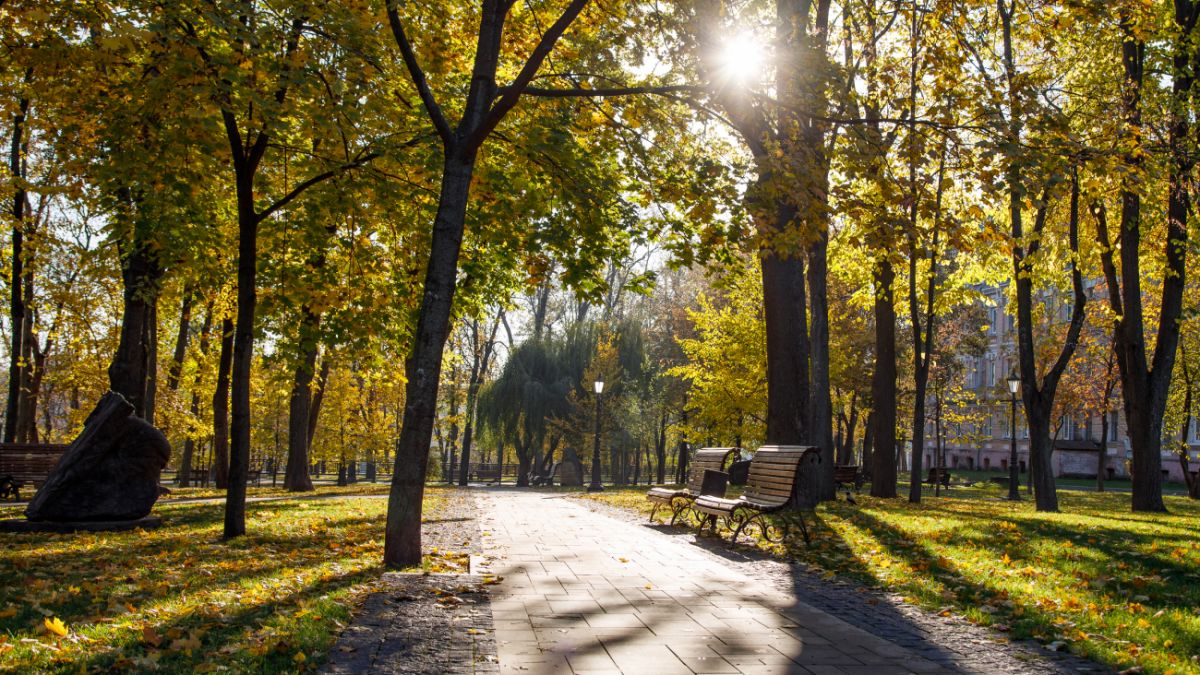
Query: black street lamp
point(596, 486)
point(1014, 383)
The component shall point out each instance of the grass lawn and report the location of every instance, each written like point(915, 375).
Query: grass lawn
point(1117, 587)
point(177, 599)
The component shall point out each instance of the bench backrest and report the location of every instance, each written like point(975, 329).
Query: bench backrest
point(846, 472)
point(773, 473)
point(706, 458)
point(29, 461)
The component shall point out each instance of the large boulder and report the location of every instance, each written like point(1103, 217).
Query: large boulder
point(109, 473)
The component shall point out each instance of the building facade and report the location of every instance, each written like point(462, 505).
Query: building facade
point(984, 443)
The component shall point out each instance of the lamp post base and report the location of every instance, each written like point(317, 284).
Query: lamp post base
point(595, 487)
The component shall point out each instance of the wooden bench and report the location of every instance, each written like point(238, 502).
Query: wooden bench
point(487, 474)
point(934, 476)
point(845, 476)
point(771, 487)
point(712, 459)
point(24, 464)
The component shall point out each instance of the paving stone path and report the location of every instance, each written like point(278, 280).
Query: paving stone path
point(583, 591)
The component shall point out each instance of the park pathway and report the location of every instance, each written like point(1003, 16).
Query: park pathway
point(585, 592)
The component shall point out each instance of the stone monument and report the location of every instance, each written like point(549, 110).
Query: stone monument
point(570, 469)
point(106, 480)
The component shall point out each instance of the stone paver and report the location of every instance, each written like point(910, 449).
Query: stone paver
point(583, 592)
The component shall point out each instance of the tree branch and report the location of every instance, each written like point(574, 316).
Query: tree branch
point(418, 75)
point(513, 92)
point(319, 178)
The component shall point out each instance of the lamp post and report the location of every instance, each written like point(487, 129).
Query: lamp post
point(1014, 383)
point(596, 486)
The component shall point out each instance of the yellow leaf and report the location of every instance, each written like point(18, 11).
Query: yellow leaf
point(56, 626)
point(299, 657)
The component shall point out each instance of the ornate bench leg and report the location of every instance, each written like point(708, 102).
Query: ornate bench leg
point(677, 509)
point(804, 528)
point(654, 510)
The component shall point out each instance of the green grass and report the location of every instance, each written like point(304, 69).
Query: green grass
point(1115, 586)
point(178, 599)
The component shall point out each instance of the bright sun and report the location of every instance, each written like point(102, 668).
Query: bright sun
point(742, 58)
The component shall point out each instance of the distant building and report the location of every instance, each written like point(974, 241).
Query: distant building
point(987, 445)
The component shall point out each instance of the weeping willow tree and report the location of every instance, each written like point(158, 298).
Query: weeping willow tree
point(533, 388)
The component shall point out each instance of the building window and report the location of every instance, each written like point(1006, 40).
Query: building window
point(1112, 426)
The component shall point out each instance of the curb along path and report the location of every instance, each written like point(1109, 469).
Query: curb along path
point(583, 592)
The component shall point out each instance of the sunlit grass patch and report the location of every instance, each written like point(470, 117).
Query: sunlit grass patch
point(178, 599)
point(266, 490)
point(1118, 587)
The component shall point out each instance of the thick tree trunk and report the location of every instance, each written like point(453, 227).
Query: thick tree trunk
point(402, 544)
point(785, 316)
point(129, 372)
point(220, 407)
point(883, 383)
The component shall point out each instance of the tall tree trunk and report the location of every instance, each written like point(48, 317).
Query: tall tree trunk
point(424, 366)
point(1145, 383)
point(220, 407)
point(883, 383)
point(17, 309)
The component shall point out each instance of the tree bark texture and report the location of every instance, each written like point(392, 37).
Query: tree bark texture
point(784, 313)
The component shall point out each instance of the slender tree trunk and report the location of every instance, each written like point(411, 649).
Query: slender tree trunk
point(883, 383)
point(660, 449)
point(17, 309)
point(296, 478)
point(181, 338)
point(220, 406)
point(189, 444)
point(25, 412)
point(151, 338)
point(314, 410)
